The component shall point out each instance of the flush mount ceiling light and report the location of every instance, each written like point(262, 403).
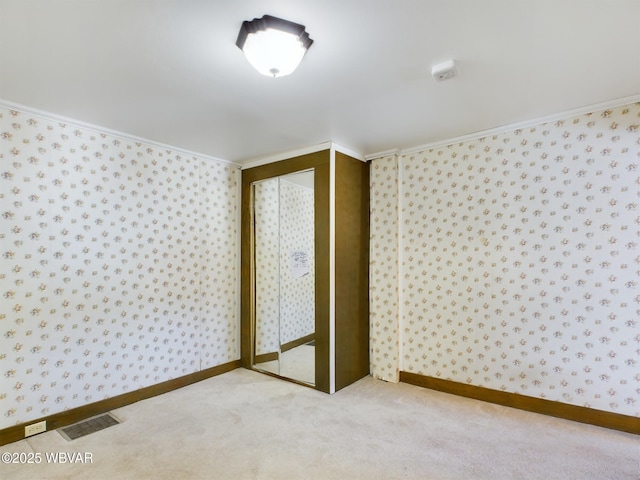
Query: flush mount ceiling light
point(273, 46)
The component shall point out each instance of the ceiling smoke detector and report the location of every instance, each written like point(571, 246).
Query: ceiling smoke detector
point(444, 71)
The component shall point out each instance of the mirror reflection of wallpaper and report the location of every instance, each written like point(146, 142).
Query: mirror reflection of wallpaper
point(267, 276)
point(518, 261)
point(297, 310)
point(118, 266)
point(285, 308)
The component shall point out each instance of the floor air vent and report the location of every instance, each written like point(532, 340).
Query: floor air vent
point(88, 426)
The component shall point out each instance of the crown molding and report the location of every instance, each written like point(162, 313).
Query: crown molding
point(103, 130)
point(384, 153)
point(510, 127)
point(257, 162)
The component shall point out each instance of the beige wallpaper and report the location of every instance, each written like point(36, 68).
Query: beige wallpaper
point(118, 265)
point(518, 261)
point(383, 268)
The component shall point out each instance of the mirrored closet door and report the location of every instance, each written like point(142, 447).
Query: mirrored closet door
point(284, 342)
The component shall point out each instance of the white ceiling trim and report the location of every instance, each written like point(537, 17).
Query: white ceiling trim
point(348, 152)
point(99, 130)
point(285, 155)
point(328, 145)
point(303, 151)
point(507, 128)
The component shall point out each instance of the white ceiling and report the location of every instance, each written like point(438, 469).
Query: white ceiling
point(169, 70)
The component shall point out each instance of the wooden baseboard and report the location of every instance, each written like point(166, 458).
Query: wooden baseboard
point(600, 418)
point(297, 342)
point(68, 417)
point(266, 357)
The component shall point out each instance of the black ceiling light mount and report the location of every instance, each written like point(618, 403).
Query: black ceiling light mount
point(275, 47)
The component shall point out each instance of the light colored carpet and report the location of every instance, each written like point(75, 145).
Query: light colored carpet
point(246, 425)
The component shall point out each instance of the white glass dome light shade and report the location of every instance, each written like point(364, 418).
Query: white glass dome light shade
point(273, 53)
point(273, 46)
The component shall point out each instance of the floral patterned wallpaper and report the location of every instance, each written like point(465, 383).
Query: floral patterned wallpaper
point(118, 266)
point(297, 293)
point(267, 269)
point(383, 268)
point(518, 257)
point(285, 304)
